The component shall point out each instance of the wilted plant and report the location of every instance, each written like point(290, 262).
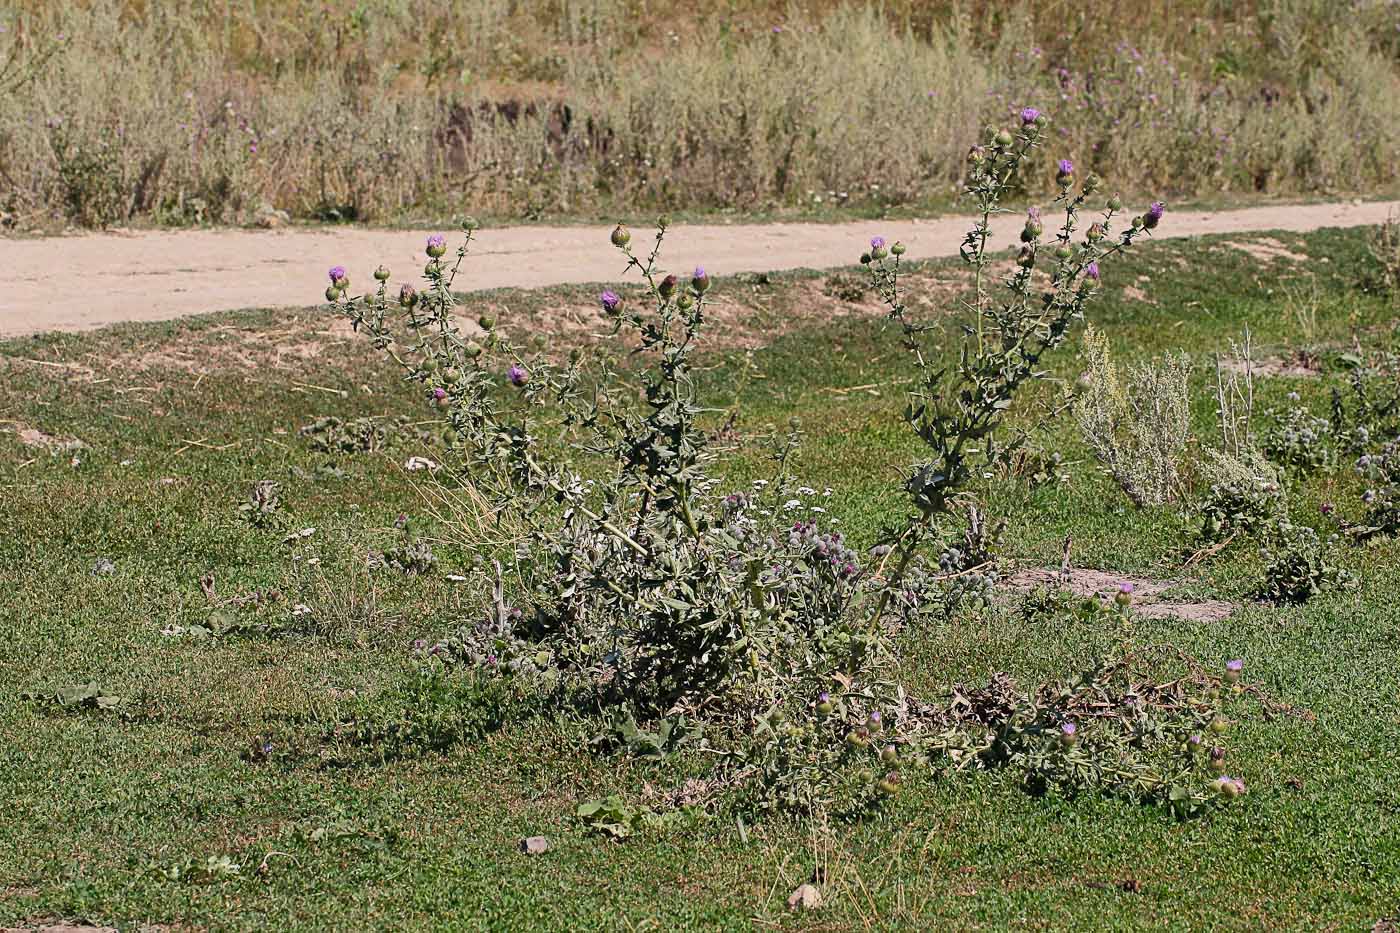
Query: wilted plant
point(264, 501)
point(1234, 396)
point(1138, 431)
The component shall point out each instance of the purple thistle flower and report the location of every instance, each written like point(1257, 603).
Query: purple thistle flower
point(823, 697)
point(699, 280)
point(610, 300)
point(1154, 215)
point(437, 239)
point(1029, 115)
point(1068, 728)
point(517, 376)
point(1122, 587)
point(439, 393)
point(336, 273)
point(1033, 215)
point(1091, 271)
point(1235, 666)
point(877, 242)
point(875, 717)
point(1066, 168)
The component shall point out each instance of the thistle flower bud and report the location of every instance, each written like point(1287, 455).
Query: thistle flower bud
point(486, 321)
point(332, 294)
point(877, 248)
point(433, 269)
point(620, 236)
point(1153, 217)
point(381, 274)
point(338, 277)
point(1034, 226)
point(888, 785)
point(1069, 734)
point(1218, 725)
point(517, 376)
point(700, 281)
point(1063, 251)
point(685, 301)
point(1091, 184)
point(610, 300)
point(1194, 742)
point(857, 738)
point(1115, 203)
point(1233, 669)
point(437, 246)
point(1026, 258)
point(1124, 596)
point(408, 295)
point(889, 754)
point(473, 350)
point(470, 223)
point(873, 721)
point(667, 288)
point(865, 259)
point(1003, 138)
point(975, 155)
point(1096, 232)
point(1216, 759)
point(451, 376)
point(897, 248)
point(824, 704)
point(1064, 173)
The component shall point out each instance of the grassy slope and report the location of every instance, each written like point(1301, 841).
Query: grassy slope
point(95, 800)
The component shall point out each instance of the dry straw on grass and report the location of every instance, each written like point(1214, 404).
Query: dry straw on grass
point(189, 111)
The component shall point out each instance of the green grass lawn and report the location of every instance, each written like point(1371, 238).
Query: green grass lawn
point(180, 420)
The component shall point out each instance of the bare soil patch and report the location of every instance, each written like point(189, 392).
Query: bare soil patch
point(1267, 249)
point(1148, 599)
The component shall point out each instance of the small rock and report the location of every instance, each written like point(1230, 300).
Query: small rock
point(806, 897)
point(534, 845)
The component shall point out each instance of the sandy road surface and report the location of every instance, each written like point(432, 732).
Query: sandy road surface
point(87, 281)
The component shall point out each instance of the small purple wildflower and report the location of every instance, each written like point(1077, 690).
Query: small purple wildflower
point(1066, 168)
point(610, 300)
point(1091, 271)
point(1029, 115)
point(700, 280)
point(877, 242)
point(823, 697)
point(1235, 666)
point(1154, 215)
point(439, 393)
point(517, 376)
point(1124, 587)
point(1068, 728)
point(336, 273)
point(437, 239)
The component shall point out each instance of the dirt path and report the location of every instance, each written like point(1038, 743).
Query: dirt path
point(87, 281)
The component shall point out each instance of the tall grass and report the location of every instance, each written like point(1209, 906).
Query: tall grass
point(190, 111)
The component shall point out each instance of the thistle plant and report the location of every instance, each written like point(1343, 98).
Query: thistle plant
point(631, 581)
point(957, 410)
